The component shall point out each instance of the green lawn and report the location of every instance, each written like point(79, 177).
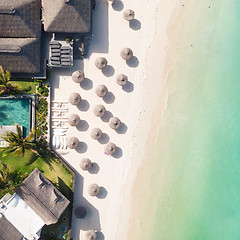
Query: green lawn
point(54, 170)
point(26, 84)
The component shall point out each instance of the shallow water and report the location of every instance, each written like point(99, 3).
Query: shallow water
point(195, 168)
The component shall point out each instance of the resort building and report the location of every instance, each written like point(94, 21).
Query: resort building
point(20, 35)
point(23, 42)
point(36, 202)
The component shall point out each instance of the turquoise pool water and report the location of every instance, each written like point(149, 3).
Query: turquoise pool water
point(15, 111)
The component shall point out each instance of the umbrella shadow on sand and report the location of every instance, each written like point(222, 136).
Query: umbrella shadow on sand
point(118, 153)
point(106, 117)
point(108, 71)
point(109, 98)
point(86, 84)
point(133, 62)
point(94, 168)
point(118, 5)
point(129, 87)
point(135, 24)
point(83, 126)
point(82, 147)
point(122, 129)
point(102, 193)
point(83, 105)
point(104, 138)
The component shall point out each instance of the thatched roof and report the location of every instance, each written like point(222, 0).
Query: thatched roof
point(101, 90)
point(99, 110)
point(72, 142)
point(20, 55)
point(126, 53)
point(101, 62)
point(8, 231)
point(44, 199)
point(75, 98)
point(20, 18)
point(78, 76)
point(110, 148)
point(96, 133)
point(85, 164)
point(122, 79)
point(91, 235)
point(93, 190)
point(74, 119)
point(114, 123)
point(128, 15)
point(67, 16)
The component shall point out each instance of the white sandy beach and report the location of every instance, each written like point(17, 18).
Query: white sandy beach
point(112, 211)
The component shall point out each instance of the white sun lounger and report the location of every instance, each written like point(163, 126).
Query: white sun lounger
point(53, 141)
point(65, 142)
point(57, 142)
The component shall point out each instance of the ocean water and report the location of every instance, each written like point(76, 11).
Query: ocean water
point(192, 189)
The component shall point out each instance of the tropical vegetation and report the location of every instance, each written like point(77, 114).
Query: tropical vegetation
point(17, 143)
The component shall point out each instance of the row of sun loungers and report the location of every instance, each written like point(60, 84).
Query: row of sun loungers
point(60, 55)
point(59, 124)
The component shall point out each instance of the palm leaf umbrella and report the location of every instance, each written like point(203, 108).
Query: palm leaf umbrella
point(72, 142)
point(96, 133)
point(101, 90)
point(75, 98)
point(85, 164)
point(91, 235)
point(122, 79)
point(126, 53)
point(110, 148)
point(114, 123)
point(99, 110)
point(74, 120)
point(101, 62)
point(128, 15)
point(78, 76)
point(93, 189)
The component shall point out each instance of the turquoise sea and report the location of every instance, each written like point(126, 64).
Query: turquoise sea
point(195, 168)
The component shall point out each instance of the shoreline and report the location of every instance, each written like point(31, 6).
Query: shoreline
point(153, 103)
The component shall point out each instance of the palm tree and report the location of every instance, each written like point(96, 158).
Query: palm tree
point(17, 143)
point(5, 175)
point(5, 76)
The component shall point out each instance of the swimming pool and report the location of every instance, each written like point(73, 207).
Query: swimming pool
point(15, 111)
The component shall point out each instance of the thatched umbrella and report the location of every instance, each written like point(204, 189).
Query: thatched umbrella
point(91, 235)
point(101, 62)
point(101, 90)
point(122, 79)
point(114, 123)
point(72, 142)
point(110, 148)
point(74, 120)
point(128, 15)
point(80, 212)
point(96, 133)
point(126, 53)
point(75, 98)
point(99, 110)
point(78, 76)
point(85, 164)
point(93, 189)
